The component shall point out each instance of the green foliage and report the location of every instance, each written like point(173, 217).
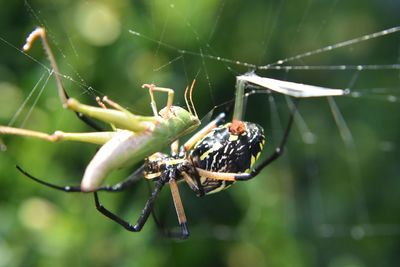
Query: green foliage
point(323, 204)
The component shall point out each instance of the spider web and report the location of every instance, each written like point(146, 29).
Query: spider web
point(331, 46)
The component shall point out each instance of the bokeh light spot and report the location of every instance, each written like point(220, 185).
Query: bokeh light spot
point(36, 214)
point(97, 23)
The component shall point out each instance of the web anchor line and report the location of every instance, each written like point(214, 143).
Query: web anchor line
point(278, 65)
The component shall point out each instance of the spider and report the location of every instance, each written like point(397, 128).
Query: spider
point(211, 160)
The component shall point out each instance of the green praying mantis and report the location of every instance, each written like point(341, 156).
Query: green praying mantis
point(133, 137)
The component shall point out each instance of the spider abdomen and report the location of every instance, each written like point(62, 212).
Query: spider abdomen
point(225, 151)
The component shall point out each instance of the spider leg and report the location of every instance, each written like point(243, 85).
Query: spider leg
point(180, 212)
point(197, 137)
point(147, 210)
point(134, 177)
point(183, 233)
point(204, 131)
point(156, 219)
point(277, 152)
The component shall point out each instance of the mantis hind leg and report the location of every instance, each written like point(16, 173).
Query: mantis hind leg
point(119, 117)
point(41, 33)
point(98, 138)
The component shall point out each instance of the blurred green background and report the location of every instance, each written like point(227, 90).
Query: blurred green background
point(324, 203)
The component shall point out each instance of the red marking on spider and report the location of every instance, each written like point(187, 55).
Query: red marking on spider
point(237, 127)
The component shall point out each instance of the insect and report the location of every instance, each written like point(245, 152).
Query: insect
point(211, 160)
